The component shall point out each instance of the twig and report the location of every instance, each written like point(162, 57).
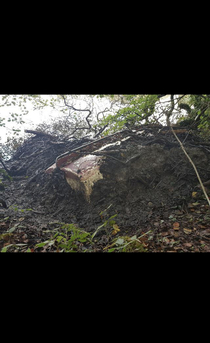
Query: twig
point(7, 170)
point(80, 110)
point(39, 133)
point(196, 171)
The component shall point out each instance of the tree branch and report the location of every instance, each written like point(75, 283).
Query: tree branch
point(79, 110)
point(169, 112)
point(196, 171)
point(6, 169)
point(100, 131)
point(39, 133)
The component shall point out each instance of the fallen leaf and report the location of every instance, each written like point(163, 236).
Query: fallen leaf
point(177, 248)
point(187, 231)
point(5, 236)
point(3, 224)
point(178, 212)
point(13, 228)
point(30, 250)
point(188, 245)
point(133, 238)
point(166, 240)
point(201, 226)
point(119, 241)
point(194, 194)
point(116, 229)
point(165, 234)
point(6, 246)
point(176, 234)
point(176, 226)
point(190, 205)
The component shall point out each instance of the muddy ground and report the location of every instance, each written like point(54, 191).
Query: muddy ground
point(148, 183)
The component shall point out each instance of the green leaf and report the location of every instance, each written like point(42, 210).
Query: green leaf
point(13, 228)
point(133, 238)
point(93, 235)
point(111, 250)
point(6, 218)
point(42, 244)
point(60, 238)
point(4, 249)
point(120, 241)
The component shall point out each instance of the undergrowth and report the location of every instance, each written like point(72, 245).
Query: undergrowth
point(70, 238)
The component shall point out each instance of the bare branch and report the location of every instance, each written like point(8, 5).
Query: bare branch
point(39, 133)
point(6, 169)
point(75, 109)
point(100, 131)
point(196, 171)
point(79, 110)
point(168, 112)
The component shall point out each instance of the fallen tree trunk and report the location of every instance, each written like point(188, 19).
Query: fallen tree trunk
point(137, 171)
point(39, 133)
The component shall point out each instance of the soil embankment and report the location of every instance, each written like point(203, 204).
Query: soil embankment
point(148, 183)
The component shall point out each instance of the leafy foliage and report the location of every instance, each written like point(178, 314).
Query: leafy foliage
point(139, 108)
point(124, 110)
point(201, 112)
point(68, 238)
point(127, 244)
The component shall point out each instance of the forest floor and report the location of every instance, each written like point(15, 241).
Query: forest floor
point(181, 230)
point(153, 204)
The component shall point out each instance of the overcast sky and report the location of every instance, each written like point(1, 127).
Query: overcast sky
point(35, 117)
point(32, 119)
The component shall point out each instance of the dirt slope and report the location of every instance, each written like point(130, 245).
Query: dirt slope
point(147, 181)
